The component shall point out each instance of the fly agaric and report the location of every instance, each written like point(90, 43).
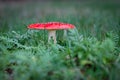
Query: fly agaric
point(51, 27)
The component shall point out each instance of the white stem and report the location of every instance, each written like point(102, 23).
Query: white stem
point(52, 34)
point(65, 33)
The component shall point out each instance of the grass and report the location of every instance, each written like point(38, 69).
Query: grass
point(91, 51)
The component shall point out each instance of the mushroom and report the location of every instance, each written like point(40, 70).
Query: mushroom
point(51, 27)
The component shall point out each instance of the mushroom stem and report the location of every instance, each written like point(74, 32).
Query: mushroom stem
point(65, 33)
point(52, 34)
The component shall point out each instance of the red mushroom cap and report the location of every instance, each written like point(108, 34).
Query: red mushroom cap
point(58, 25)
point(37, 26)
point(51, 26)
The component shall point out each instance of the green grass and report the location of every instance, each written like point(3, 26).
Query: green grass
point(91, 51)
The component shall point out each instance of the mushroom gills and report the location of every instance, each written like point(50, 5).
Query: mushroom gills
point(52, 35)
